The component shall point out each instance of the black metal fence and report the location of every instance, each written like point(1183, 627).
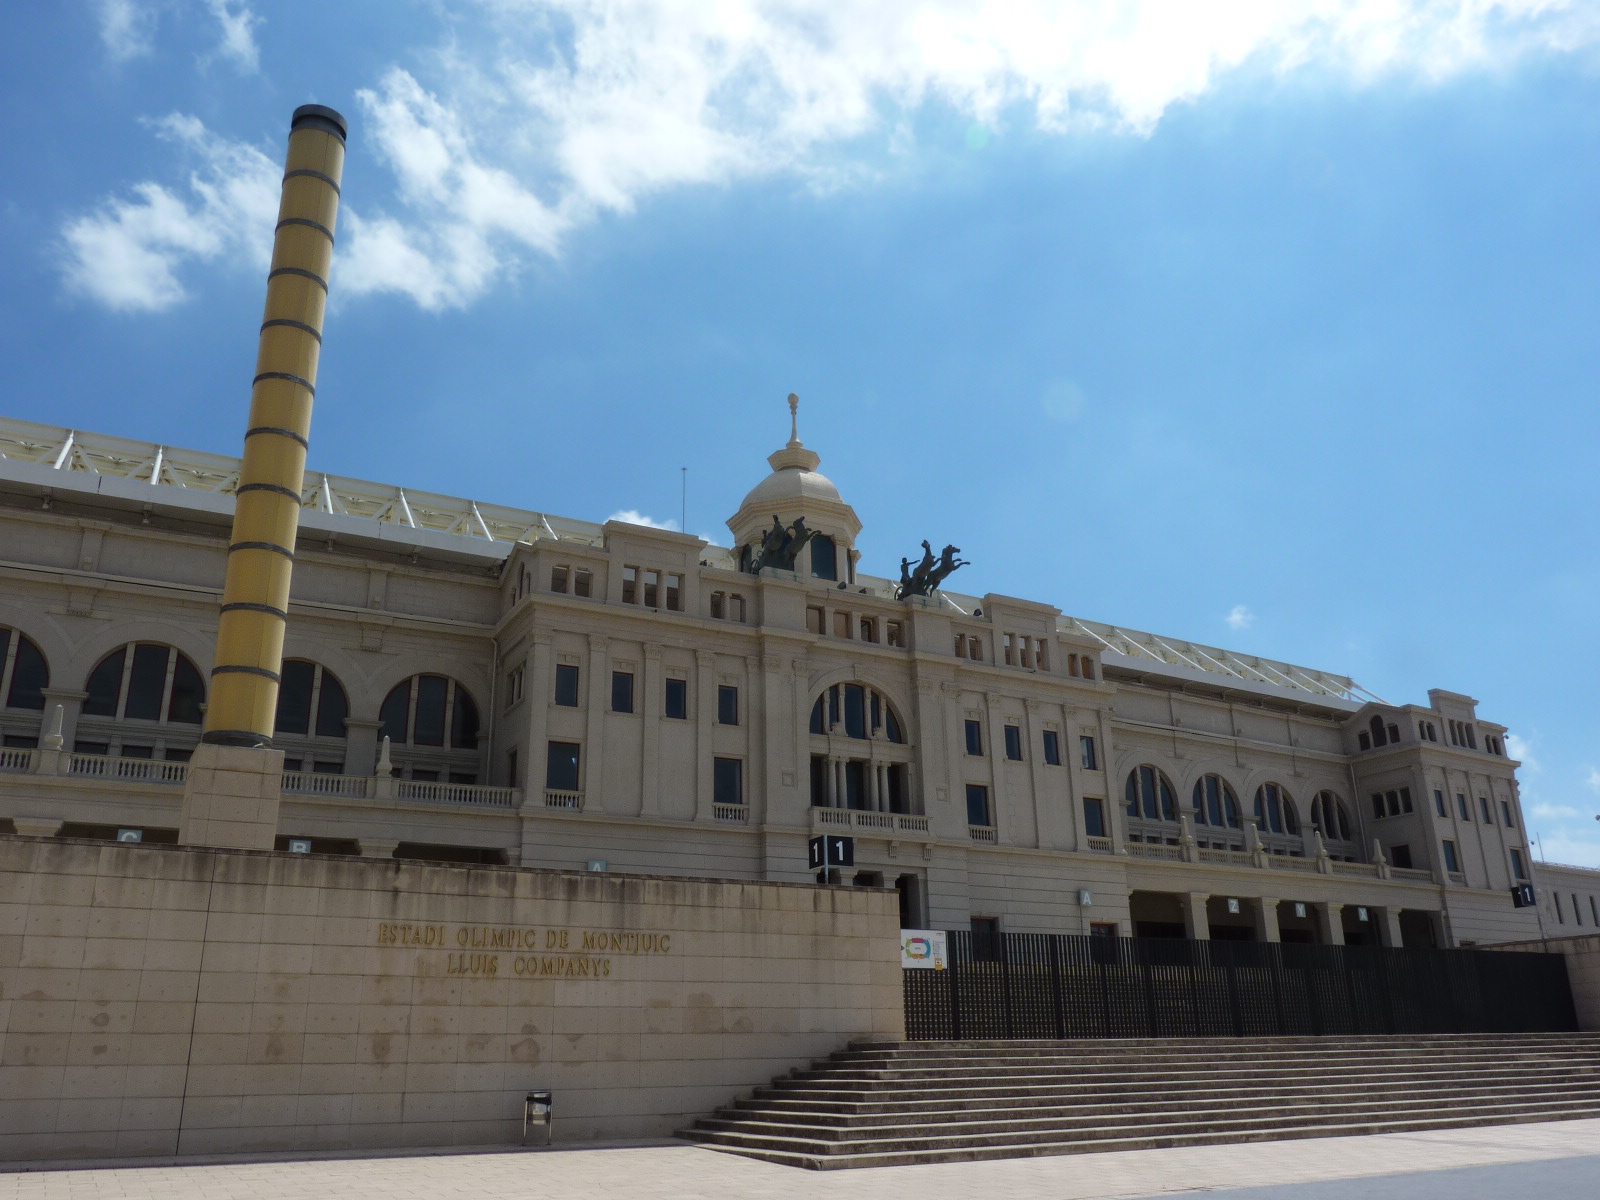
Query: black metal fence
point(1055, 986)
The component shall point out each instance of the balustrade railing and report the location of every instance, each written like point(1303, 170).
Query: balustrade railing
point(979, 833)
point(737, 813)
point(16, 758)
point(1411, 873)
point(1100, 845)
point(144, 770)
point(571, 801)
point(852, 818)
point(475, 795)
point(310, 783)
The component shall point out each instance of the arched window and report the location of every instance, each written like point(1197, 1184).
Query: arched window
point(146, 681)
point(23, 672)
point(1149, 795)
point(1379, 737)
point(424, 709)
point(824, 557)
point(856, 712)
point(1275, 811)
point(311, 702)
point(1215, 803)
point(1329, 818)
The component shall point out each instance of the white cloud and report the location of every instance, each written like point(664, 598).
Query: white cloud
point(1522, 750)
point(238, 39)
point(126, 253)
point(633, 516)
point(126, 29)
point(543, 114)
point(1592, 780)
point(1240, 617)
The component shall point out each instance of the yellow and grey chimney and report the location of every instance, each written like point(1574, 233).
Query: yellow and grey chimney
point(255, 597)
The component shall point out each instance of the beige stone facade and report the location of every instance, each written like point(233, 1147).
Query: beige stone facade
point(162, 1000)
point(570, 695)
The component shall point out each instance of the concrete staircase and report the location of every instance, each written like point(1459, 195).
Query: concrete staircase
point(887, 1103)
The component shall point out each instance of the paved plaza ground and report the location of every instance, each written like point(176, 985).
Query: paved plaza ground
point(1556, 1161)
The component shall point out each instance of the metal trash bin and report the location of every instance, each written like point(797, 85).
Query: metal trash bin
point(536, 1110)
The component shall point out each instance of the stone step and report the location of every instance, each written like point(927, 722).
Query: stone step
point(1146, 1141)
point(913, 1138)
point(1318, 1054)
point(1228, 1045)
point(865, 1114)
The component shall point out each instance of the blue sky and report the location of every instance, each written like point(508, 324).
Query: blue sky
point(1263, 324)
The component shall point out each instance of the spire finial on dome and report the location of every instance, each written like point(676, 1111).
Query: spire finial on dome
point(794, 422)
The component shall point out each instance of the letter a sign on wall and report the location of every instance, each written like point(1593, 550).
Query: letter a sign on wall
point(832, 851)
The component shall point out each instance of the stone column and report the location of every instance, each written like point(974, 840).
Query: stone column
point(994, 751)
point(1196, 922)
point(705, 725)
point(536, 693)
point(1267, 919)
point(651, 703)
point(361, 745)
point(593, 766)
point(71, 703)
point(1389, 927)
point(1330, 923)
point(1033, 751)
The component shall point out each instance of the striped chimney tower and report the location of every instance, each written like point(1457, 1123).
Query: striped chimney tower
point(255, 597)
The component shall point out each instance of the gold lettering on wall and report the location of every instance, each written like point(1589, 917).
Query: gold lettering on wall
point(538, 952)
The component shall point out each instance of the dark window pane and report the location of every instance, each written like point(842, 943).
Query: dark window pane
point(1094, 818)
point(728, 776)
point(466, 777)
point(622, 691)
point(897, 788)
point(137, 751)
point(1014, 743)
point(877, 711)
point(422, 776)
point(104, 682)
point(322, 767)
point(188, 692)
point(429, 726)
point(727, 705)
point(1052, 748)
point(855, 712)
point(833, 706)
point(974, 738)
point(819, 780)
point(567, 685)
point(817, 723)
point(294, 696)
point(678, 698)
point(333, 706)
point(464, 721)
point(977, 804)
point(29, 675)
point(824, 557)
point(175, 755)
point(147, 681)
point(891, 727)
point(561, 767)
point(855, 784)
point(396, 713)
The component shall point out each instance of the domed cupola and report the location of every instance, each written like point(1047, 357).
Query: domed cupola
point(794, 519)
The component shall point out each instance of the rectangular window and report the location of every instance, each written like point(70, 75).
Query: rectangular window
point(566, 685)
point(1561, 918)
point(1505, 813)
point(1094, 817)
point(622, 691)
point(727, 781)
point(978, 805)
point(561, 767)
point(1439, 804)
point(1393, 799)
point(512, 778)
point(716, 606)
point(582, 582)
point(678, 699)
point(1462, 807)
point(841, 624)
point(675, 593)
point(630, 585)
point(975, 648)
point(1483, 809)
point(1400, 856)
point(1011, 649)
point(1014, 743)
point(974, 738)
point(736, 608)
point(895, 635)
point(727, 705)
point(558, 579)
point(1086, 753)
point(514, 686)
point(1452, 861)
point(1377, 805)
point(869, 629)
point(1405, 800)
point(652, 589)
point(1052, 748)
point(815, 621)
point(1518, 869)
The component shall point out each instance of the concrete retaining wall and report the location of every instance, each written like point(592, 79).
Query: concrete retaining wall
point(1583, 972)
point(161, 1000)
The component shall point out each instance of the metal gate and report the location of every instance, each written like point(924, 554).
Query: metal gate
point(1060, 986)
